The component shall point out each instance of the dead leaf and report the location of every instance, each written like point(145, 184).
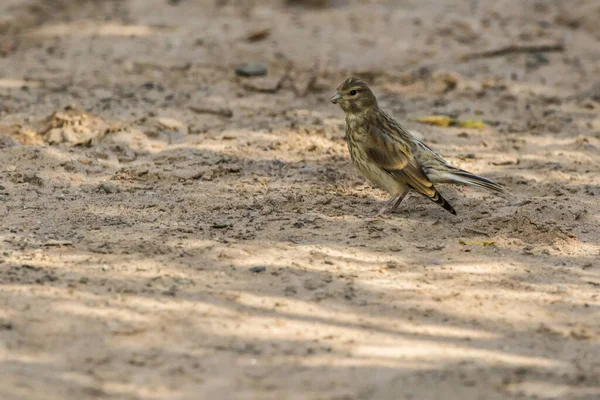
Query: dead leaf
point(471, 124)
point(482, 243)
point(445, 121)
point(438, 120)
point(72, 126)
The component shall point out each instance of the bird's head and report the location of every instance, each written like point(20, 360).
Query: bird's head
point(354, 96)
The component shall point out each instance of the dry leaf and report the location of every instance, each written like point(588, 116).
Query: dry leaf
point(445, 121)
point(471, 124)
point(438, 120)
point(483, 243)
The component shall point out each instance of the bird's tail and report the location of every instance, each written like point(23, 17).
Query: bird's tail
point(438, 199)
point(463, 177)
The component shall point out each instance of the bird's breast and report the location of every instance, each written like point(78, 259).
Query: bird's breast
point(356, 138)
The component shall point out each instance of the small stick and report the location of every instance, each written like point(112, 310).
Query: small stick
point(476, 231)
point(221, 111)
point(516, 48)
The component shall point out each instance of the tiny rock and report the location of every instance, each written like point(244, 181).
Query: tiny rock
point(252, 69)
point(109, 187)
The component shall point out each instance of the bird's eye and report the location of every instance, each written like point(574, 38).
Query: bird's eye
point(353, 93)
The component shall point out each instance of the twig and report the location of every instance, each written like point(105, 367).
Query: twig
point(516, 48)
point(223, 112)
point(476, 231)
point(58, 243)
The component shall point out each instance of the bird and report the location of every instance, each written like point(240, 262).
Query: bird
point(390, 157)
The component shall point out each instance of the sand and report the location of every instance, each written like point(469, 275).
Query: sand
point(173, 231)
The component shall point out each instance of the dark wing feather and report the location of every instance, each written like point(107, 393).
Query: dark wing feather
point(394, 154)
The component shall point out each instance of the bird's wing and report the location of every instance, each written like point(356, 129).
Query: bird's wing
point(394, 154)
point(433, 164)
point(429, 154)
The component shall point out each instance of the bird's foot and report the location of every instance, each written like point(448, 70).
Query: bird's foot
point(391, 205)
point(382, 213)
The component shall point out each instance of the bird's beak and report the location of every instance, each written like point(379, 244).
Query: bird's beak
point(336, 97)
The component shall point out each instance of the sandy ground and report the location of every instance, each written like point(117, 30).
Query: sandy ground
point(142, 183)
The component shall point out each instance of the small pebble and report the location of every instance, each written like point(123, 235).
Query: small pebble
point(249, 70)
point(257, 270)
point(109, 187)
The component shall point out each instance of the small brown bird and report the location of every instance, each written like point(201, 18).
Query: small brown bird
point(389, 156)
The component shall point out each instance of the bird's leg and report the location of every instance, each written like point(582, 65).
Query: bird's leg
point(400, 197)
point(397, 197)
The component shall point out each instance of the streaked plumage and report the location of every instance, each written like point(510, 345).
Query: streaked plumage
point(389, 156)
